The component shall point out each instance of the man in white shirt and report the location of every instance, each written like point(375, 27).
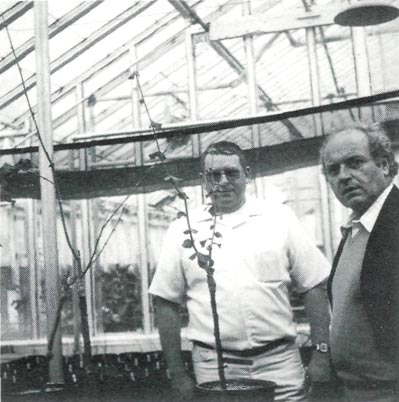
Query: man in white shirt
point(364, 283)
point(259, 253)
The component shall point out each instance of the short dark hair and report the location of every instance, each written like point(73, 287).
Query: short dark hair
point(379, 144)
point(223, 148)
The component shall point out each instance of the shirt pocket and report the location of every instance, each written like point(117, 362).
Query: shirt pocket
point(268, 264)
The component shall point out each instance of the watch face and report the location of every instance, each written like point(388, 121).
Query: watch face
point(322, 347)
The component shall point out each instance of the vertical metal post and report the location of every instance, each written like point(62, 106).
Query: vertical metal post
point(5, 225)
point(142, 215)
point(13, 246)
point(362, 72)
point(16, 280)
point(32, 261)
point(75, 286)
point(361, 61)
point(383, 62)
point(91, 123)
point(86, 218)
point(48, 195)
point(316, 101)
point(93, 222)
point(252, 92)
point(31, 230)
point(193, 102)
point(192, 89)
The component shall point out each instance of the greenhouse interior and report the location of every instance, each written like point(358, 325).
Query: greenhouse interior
point(105, 109)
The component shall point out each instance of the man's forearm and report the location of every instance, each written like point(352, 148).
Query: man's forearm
point(318, 313)
point(169, 325)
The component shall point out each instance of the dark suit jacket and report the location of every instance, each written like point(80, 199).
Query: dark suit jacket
point(379, 280)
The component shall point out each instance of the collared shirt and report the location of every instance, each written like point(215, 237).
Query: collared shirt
point(261, 253)
point(368, 219)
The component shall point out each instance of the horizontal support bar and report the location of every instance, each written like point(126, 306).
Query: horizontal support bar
point(207, 127)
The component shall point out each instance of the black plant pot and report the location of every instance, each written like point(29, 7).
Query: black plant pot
point(237, 390)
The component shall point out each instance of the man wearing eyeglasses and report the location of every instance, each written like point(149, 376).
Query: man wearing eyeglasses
point(260, 252)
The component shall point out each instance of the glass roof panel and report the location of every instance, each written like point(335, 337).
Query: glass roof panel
point(94, 50)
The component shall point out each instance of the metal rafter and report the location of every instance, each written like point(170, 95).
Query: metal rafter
point(14, 12)
point(145, 60)
point(187, 12)
point(115, 56)
point(80, 48)
point(58, 26)
point(104, 114)
point(330, 63)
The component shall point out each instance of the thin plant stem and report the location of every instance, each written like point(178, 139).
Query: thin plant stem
point(216, 329)
point(98, 254)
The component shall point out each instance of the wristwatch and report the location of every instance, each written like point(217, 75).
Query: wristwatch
point(322, 347)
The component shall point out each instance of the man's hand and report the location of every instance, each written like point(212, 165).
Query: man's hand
point(183, 386)
point(319, 369)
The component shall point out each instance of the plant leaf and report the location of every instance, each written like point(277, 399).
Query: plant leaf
point(204, 261)
point(188, 231)
point(187, 243)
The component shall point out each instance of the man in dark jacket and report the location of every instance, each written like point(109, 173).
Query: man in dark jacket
point(364, 283)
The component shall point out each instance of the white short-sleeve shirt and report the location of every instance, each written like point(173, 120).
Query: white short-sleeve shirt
point(263, 252)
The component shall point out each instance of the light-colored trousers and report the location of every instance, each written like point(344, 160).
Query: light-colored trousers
point(281, 365)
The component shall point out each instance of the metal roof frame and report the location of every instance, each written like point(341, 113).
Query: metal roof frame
point(13, 13)
point(54, 29)
point(77, 50)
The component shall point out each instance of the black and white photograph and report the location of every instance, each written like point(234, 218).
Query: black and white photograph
point(199, 201)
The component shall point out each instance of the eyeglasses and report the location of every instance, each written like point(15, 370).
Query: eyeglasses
point(215, 176)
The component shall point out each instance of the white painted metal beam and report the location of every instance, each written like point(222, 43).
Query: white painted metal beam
point(80, 48)
point(47, 189)
point(99, 66)
point(189, 13)
point(142, 221)
point(257, 25)
point(14, 12)
point(58, 26)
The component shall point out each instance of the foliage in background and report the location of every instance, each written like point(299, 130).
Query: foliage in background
point(121, 299)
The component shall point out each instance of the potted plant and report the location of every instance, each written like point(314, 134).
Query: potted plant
point(230, 389)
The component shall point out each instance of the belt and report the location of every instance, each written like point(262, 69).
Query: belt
point(250, 352)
